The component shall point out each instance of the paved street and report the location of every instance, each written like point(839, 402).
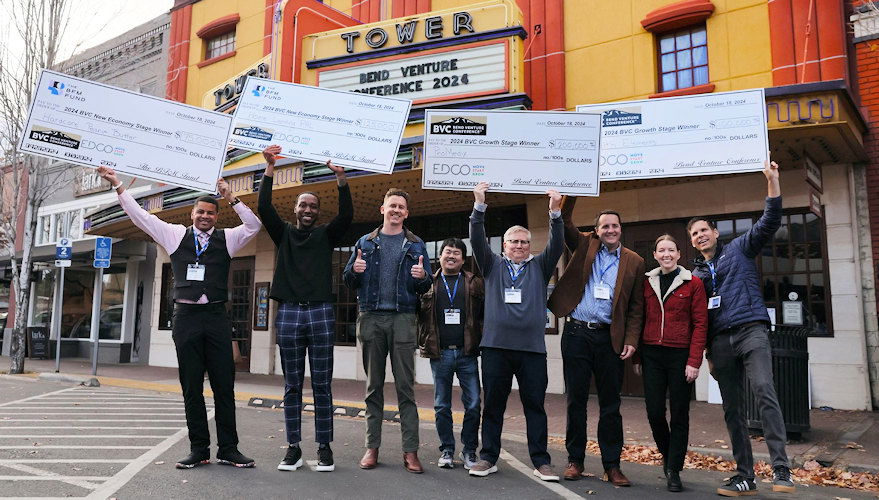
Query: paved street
point(58, 441)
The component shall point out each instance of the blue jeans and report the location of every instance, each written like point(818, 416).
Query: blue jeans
point(453, 362)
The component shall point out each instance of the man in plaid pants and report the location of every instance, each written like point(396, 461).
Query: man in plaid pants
point(302, 285)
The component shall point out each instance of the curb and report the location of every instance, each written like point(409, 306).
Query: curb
point(60, 377)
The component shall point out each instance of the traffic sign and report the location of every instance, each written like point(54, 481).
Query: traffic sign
point(62, 262)
point(64, 249)
point(101, 263)
point(103, 248)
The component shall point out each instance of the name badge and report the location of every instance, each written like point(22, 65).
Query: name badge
point(453, 316)
point(512, 295)
point(195, 272)
point(714, 302)
point(602, 292)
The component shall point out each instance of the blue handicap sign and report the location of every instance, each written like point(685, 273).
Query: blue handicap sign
point(103, 249)
point(101, 263)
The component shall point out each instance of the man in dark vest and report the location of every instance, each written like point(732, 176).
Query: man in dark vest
point(202, 333)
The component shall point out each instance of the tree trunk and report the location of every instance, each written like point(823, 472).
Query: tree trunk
point(22, 284)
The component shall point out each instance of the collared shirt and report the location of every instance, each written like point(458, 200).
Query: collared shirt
point(604, 271)
point(169, 236)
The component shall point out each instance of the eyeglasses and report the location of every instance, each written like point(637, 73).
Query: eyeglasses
point(519, 242)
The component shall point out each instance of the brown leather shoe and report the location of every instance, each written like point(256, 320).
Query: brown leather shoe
point(616, 477)
point(573, 471)
point(370, 459)
point(411, 462)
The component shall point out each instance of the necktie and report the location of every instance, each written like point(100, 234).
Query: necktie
point(203, 239)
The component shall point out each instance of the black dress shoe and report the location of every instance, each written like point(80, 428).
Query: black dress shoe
point(674, 481)
point(196, 458)
point(234, 457)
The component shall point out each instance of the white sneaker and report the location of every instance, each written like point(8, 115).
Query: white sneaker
point(446, 461)
point(546, 473)
point(469, 458)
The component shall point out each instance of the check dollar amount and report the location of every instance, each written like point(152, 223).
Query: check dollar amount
point(516, 152)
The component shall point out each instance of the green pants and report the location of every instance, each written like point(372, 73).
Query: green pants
point(380, 334)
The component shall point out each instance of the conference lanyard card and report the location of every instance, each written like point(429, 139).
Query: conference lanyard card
point(601, 292)
point(513, 295)
point(195, 272)
point(453, 316)
point(714, 302)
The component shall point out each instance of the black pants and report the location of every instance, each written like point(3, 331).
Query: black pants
point(498, 368)
point(664, 373)
point(587, 353)
point(203, 337)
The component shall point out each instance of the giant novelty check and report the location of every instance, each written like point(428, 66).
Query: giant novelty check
point(310, 123)
point(704, 134)
point(93, 124)
point(514, 151)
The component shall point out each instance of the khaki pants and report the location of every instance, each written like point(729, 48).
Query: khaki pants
point(380, 334)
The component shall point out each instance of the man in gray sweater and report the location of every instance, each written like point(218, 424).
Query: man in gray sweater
point(512, 338)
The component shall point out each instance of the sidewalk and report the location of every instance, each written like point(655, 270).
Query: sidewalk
point(839, 438)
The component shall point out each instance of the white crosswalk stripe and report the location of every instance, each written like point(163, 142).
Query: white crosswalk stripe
point(84, 443)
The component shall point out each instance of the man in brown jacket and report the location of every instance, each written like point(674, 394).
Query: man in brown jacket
point(449, 332)
point(600, 292)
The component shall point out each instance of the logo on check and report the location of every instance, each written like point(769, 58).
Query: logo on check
point(458, 125)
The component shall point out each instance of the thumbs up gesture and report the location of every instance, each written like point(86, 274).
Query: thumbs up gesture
point(418, 269)
point(359, 264)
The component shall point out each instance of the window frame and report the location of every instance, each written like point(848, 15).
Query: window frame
point(660, 73)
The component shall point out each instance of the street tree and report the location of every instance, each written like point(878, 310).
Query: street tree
point(34, 35)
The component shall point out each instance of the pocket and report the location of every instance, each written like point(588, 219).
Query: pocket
point(364, 330)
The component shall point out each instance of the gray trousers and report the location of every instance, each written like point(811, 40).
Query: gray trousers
point(380, 334)
point(741, 351)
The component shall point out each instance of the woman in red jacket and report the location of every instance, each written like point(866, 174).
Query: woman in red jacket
point(675, 325)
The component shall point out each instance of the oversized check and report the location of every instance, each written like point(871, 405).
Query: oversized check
point(315, 124)
point(704, 134)
point(514, 151)
point(93, 124)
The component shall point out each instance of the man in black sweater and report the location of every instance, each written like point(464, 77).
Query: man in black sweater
point(302, 285)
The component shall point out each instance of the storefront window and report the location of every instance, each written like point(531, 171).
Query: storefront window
point(42, 293)
point(78, 300)
point(793, 262)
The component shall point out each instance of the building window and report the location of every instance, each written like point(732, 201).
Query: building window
point(683, 59)
point(793, 262)
point(219, 45)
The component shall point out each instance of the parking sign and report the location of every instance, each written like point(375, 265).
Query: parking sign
point(103, 252)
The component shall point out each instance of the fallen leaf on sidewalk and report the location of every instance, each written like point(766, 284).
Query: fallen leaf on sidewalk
point(853, 446)
point(811, 465)
point(160, 462)
point(719, 441)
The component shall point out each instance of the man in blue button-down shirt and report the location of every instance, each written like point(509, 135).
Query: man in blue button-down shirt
point(601, 294)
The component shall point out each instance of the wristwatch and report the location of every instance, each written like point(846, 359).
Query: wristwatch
point(234, 202)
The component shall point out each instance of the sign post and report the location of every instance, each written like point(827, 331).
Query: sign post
point(103, 252)
point(63, 254)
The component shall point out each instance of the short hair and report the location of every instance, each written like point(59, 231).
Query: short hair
point(607, 212)
point(711, 224)
point(308, 192)
point(454, 243)
point(666, 237)
point(207, 199)
point(397, 192)
point(517, 229)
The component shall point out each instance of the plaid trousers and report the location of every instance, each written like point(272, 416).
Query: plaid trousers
point(300, 327)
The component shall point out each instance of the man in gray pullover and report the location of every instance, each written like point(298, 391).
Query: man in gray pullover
point(512, 337)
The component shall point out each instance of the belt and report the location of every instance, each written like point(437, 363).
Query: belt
point(309, 303)
point(590, 325)
point(453, 347)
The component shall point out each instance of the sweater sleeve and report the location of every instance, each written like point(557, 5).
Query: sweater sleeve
point(342, 221)
point(554, 247)
point(270, 219)
point(481, 251)
point(699, 319)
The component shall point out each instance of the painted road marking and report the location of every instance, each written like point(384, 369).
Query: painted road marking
point(529, 472)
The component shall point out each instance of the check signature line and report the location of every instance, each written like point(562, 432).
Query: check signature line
point(517, 159)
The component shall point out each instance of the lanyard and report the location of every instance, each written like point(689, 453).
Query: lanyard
point(606, 269)
point(451, 293)
point(713, 278)
point(514, 277)
point(198, 248)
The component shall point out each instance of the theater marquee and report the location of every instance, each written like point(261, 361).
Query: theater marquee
point(478, 69)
